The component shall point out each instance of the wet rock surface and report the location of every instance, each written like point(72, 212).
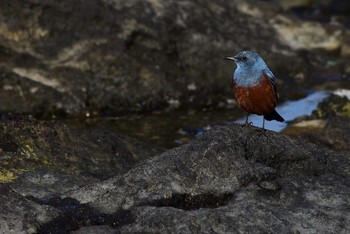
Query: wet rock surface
point(31, 145)
point(230, 179)
point(70, 58)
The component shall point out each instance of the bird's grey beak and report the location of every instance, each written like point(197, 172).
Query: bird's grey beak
point(230, 58)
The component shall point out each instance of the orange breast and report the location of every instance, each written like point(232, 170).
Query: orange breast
point(259, 99)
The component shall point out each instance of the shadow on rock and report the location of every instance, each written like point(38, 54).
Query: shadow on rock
point(75, 215)
point(192, 202)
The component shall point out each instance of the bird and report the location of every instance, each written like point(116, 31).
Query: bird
point(254, 86)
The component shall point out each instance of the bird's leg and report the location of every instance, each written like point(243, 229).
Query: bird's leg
point(246, 119)
point(263, 123)
point(263, 128)
point(246, 123)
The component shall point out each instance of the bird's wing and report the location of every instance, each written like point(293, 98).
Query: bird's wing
point(266, 72)
point(269, 75)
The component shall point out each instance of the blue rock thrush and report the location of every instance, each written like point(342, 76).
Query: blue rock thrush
point(254, 86)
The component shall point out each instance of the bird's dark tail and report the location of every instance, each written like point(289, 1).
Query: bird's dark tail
point(273, 115)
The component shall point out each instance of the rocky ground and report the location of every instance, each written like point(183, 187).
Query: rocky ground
point(230, 179)
point(57, 179)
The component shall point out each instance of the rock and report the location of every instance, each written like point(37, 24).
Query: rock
point(45, 159)
point(336, 111)
point(337, 133)
point(45, 184)
point(298, 34)
point(102, 229)
point(69, 58)
point(21, 215)
point(329, 123)
point(30, 145)
point(298, 3)
point(332, 106)
point(231, 179)
point(311, 130)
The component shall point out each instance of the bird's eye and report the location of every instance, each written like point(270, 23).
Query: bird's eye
point(244, 58)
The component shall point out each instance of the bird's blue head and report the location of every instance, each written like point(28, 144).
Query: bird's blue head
point(249, 67)
point(247, 60)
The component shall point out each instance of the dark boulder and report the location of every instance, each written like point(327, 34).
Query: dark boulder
point(231, 179)
point(105, 56)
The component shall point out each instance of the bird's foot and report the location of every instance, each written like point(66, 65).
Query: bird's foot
point(247, 124)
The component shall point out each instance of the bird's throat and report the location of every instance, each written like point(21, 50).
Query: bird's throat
point(247, 78)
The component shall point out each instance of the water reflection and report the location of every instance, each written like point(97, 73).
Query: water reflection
point(290, 110)
point(173, 128)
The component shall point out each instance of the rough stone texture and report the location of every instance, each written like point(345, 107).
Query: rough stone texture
point(337, 133)
point(95, 230)
point(110, 56)
point(28, 144)
point(231, 179)
point(21, 215)
point(45, 159)
point(45, 184)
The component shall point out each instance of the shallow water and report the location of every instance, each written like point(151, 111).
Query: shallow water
point(173, 128)
point(165, 129)
point(290, 110)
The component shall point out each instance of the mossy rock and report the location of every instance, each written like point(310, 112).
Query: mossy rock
point(334, 105)
point(28, 144)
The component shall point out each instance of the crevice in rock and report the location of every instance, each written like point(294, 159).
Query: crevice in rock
point(75, 216)
point(193, 202)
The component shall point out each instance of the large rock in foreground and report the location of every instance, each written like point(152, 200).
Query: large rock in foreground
point(230, 180)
